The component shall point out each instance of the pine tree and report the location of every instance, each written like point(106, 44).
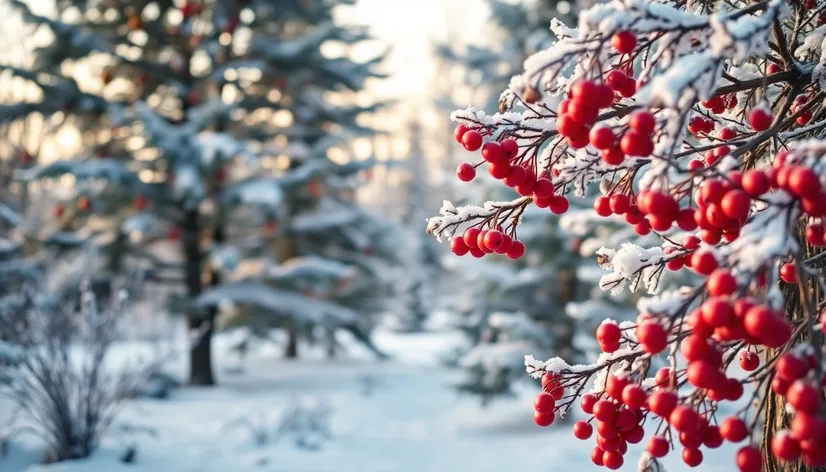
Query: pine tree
point(204, 133)
point(701, 127)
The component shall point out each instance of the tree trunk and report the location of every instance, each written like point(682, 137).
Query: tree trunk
point(200, 324)
point(564, 326)
point(291, 350)
point(775, 416)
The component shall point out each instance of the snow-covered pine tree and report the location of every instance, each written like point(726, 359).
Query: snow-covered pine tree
point(419, 277)
point(192, 151)
point(702, 125)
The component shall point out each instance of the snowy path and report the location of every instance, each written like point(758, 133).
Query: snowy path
point(412, 422)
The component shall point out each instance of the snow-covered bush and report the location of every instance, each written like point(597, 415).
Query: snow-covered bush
point(702, 126)
point(57, 369)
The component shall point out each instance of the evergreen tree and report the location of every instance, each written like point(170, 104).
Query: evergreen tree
point(204, 132)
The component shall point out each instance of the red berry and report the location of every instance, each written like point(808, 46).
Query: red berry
point(733, 429)
point(492, 152)
point(717, 312)
point(602, 206)
point(619, 203)
point(755, 182)
point(612, 459)
point(584, 90)
point(465, 172)
point(624, 42)
point(542, 419)
point(544, 403)
point(788, 273)
point(703, 375)
point(791, 367)
point(711, 437)
point(703, 262)
point(517, 176)
point(604, 96)
point(544, 188)
point(605, 411)
point(653, 337)
point(494, 239)
point(458, 246)
point(749, 361)
point(736, 204)
point(601, 137)
point(583, 111)
point(608, 333)
point(616, 79)
point(803, 397)
point(692, 457)
point(759, 119)
point(636, 144)
point(472, 141)
point(516, 250)
point(510, 148)
point(815, 235)
point(685, 419)
point(559, 205)
point(499, 170)
point(808, 427)
point(785, 447)
point(750, 459)
point(587, 403)
point(633, 396)
point(613, 156)
point(658, 446)
point(803, 182)
point(459, 132)
point(662, 403)
point(596, 456)
point(720, 283)
point(471, 236)
point(583, 430)
point(642, 122)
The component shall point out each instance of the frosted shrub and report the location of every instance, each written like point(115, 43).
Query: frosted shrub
point(55, 367)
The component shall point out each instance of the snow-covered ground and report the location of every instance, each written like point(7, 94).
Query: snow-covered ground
point(411, 421)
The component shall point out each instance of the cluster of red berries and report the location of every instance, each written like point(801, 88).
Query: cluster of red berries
point(804, 117)
point(502, 165)
point(623, 407)
point(479, 242)
point(649, 209)
point(794, 380)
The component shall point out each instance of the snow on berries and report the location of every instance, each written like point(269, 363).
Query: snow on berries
point(708, 168)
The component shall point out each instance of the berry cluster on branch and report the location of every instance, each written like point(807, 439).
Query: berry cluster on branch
point(705, 130)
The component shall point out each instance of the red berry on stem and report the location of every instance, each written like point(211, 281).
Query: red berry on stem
point(785, 447)
point(803, 397)
point(542, 419)
point(465, 172)
point(658, 446)
point(587, 403)
point(596, 456)
point(605, 411)
point(634, 396)
point(544, 403)
point(642, 122)
point(749, 361)
point(685, 420)
point(583, 430)
point(510, 148)
point(750, 459)
point(653, 337)
point(602, 206)
point(472, 141)
point(692, 457)
point(601, 137)
point(662, 403)
point(471, 236)
point(803, 182)
point(494, 239)
point(734, 429)
point(720, 283)
point(788, 273)
point(458, 246)
point(612, 459)
point(759, 119)
point(755, 182)
point(559, 205)
point(544, 188)
point(516, 250)
point(616, 79)
point(703, 262)
point(493, 152)
point(624, 42)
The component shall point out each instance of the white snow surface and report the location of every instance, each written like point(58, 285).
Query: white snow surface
point(412, 422)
